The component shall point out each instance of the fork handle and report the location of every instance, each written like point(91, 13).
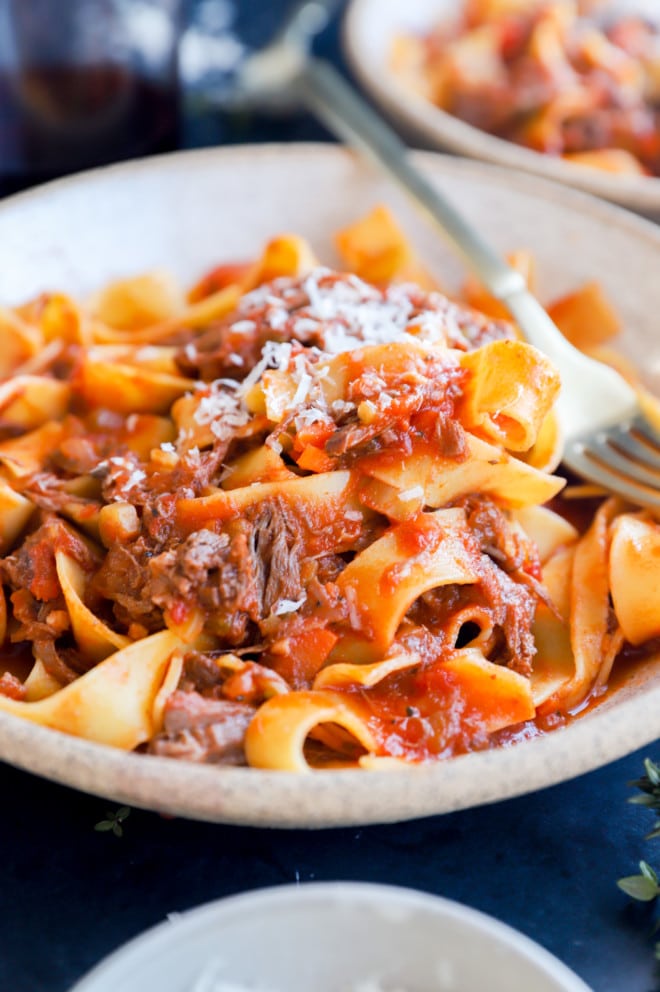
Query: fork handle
point(337, 103)
point(345, 112)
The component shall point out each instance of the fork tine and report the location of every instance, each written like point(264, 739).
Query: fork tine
point(634, 448)
point(577, 457)
point(647, 431)
point(602, 449)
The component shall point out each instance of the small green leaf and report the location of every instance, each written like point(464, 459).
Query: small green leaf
point(114, 821)
point(652, 771)
point(648, 872)
point(657, 950)
point(639, 887)
point(643, 800)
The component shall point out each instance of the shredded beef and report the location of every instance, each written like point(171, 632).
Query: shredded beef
point(64, 665)
point(204, 730)
point(450, 437)
point(32, 566)
point(506, 588)
point(509, 547)
point(276, 542)
point(181, 571)
point(510, 604)
point(123, 579)
point(237, 577)
point(49, 492)
point(38, 621)
point(512, 607)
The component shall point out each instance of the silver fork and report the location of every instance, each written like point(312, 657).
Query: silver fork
point(607, 437)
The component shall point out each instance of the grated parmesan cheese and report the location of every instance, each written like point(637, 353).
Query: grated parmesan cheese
point(221, 410)
point(311, 415)
point(243, 326)
point(124, 474)
point(305, 325)
point(285, 606)
point(417, 492)
point(276, 318)
point(356, 313)
point(274, 355)
point(354, 515)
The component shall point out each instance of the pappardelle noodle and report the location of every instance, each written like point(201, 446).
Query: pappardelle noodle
point(297, 517)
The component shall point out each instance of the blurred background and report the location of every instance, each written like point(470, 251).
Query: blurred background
point(87, 82)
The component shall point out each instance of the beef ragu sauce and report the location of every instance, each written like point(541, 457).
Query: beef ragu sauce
point(422, 714)
point(160, 512)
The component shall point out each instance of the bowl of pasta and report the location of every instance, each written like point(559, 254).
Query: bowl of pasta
point(285, 534)
point(333, 937)
point(566, 90)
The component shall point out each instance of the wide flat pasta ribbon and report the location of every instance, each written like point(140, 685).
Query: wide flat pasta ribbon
point(195, 316)
point(15, 511)
point(27, 454)
point(138, 301)
point(594, 641)
point(275, 738)
point(28, 401)
point(128, 388)
point(553, 666)
point(319, 500)
point(20, 341)
point(385, 579)
point(94, 638)
point(634, 576)
point(342, 675)
point(487, 469)
point(497, 695)
point(275, 393)
point(376, 250)
point(509, 393)
point(546, 529)
point(112, 703)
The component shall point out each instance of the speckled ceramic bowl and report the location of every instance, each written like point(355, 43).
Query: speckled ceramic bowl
point(188, 211)
point(332, 937)
point(370, 28)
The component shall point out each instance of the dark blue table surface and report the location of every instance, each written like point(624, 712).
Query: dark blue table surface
point(544, 863)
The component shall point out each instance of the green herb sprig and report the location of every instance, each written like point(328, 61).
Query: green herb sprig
point(649, 785)
point(114, 821)
point(645, 887)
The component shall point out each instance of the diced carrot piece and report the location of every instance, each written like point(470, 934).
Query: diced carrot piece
point(315, 460)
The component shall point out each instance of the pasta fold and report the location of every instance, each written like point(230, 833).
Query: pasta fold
point(112, 703)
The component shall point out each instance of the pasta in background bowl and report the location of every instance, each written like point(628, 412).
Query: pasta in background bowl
point(376, 29)
point(184, 245)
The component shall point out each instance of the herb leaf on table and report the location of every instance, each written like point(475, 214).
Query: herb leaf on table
point(645, 887)
point(114, 821)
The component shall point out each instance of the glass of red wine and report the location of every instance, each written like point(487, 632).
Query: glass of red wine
point(85, 82)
